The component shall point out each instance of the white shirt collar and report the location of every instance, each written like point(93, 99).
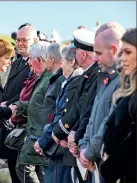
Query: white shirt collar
point(25, 58)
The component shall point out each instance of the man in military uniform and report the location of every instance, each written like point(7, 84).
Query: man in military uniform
point(83, 42)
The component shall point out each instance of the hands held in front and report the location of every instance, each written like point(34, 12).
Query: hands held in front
point(13, 108)
point(63, 143)
point(3, 104)
point(85, 162)
point(38, 149)
point(73, 147)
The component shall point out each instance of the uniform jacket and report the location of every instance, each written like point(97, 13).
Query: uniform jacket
point(87, 84)
point(85, 98)
point(69, 87)
point(102, 107)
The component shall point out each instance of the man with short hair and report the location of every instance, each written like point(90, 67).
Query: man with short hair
point(26, 36)
point(79, 129)
point(39, 109)
point(109, 25)
point(19, 72)
point(107, 45)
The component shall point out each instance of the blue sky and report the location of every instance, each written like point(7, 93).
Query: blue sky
point(64, 16)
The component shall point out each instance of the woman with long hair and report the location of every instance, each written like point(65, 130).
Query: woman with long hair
point(119, 156)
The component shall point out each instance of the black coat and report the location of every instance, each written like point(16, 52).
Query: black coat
point(17, 76)
point(85, 97)
point(120, 142)
point(82, 104)
point(5, 113)
point(1, 93)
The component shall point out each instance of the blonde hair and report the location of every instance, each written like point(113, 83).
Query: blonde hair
point(6, 48)
point(128, 86)
point(128, 83)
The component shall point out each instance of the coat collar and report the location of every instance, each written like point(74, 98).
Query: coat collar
point(91, 72)
point(56, 75)
point(18, 69)
point(110, 74)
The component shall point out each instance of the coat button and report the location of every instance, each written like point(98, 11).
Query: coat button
point(67, 100)
point(65, 110)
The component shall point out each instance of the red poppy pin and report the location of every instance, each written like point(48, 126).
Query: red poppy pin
point(106, 81)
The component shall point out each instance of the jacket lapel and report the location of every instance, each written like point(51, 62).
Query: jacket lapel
point(16, 69)
point(74, 83)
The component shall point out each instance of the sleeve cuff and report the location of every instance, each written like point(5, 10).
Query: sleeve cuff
point(60, 131)
point(7, 112)
point(90, 156)
point(82, 145)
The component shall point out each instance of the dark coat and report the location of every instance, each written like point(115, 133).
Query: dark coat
point(17, 76)
point(120, 142)
point(68, 88)
point(39, 112)
point(5, 113)
point(1, 93)
point(81, 105)
point(85, 95)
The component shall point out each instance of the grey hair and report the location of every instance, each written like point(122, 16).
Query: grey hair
point(109, 25)
point(39, 49)
point(54, 51)
point(68, 53)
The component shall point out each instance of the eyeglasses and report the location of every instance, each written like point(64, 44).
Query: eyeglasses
point(23, 40)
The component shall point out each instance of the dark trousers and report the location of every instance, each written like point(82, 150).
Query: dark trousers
point(89, 178)
point(60, 173)
point(12, 158)
point(9, 154)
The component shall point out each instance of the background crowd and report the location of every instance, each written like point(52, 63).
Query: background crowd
point(61, 105)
